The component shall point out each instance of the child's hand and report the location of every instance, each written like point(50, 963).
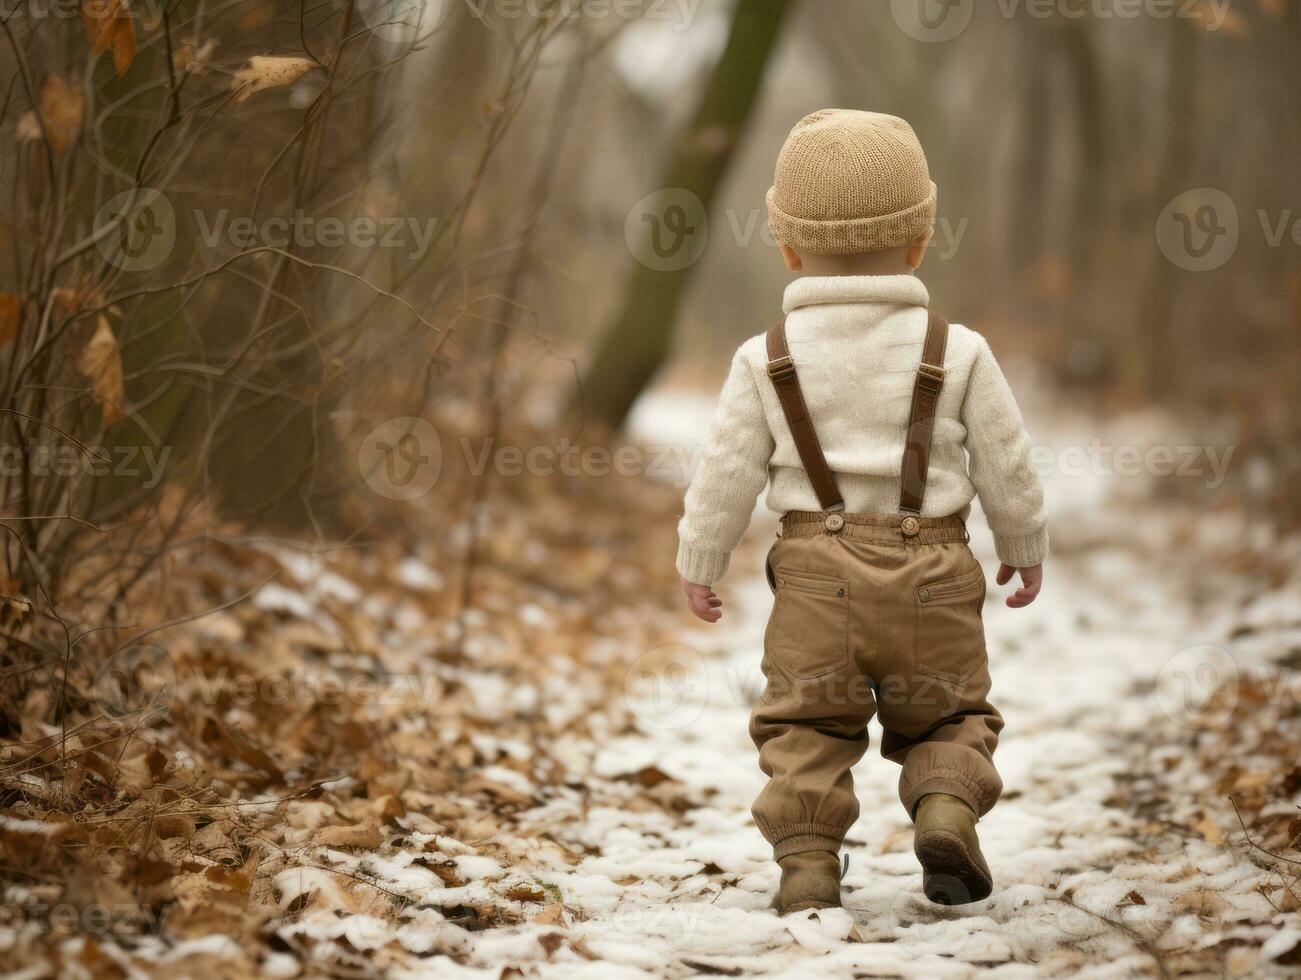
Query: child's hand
point(1032, 578)
point(702, 601)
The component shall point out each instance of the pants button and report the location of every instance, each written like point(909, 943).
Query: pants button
point(834, 522)
point(910, 526)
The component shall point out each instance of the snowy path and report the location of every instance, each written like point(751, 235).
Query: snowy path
point(662, 873)
point(685, 895)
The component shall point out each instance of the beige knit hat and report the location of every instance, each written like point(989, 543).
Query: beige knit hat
point(849, 182)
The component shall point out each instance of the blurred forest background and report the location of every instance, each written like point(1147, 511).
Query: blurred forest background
point(247, 246)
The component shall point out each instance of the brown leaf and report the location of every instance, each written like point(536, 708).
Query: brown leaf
point(1203, 902)
point(265, 71)
point(648, 777)
point(365, 836)
point(109, 25)
point(64, 108)
point(101, 363)
point(551, 915)
point(551, 941)
point(124, 46)
point(1210, 830)
point(525, 892)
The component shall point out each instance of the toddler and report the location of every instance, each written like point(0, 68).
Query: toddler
point(873, 423)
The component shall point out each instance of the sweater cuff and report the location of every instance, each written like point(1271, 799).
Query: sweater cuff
point(1022, 550)
point(701, 567)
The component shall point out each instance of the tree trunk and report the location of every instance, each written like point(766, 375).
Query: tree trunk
point(1176, 172)
point(638, 341)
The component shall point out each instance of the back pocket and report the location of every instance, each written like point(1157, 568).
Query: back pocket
point(808, 634)
point(950, 627)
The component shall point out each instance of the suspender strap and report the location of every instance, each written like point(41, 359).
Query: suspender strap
point(781, 370)
point(921, 420)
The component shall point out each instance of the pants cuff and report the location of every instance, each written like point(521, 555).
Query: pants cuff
point(797, 838)
point(941, 784)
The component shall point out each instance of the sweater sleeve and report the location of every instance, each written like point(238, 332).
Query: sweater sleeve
point(1001, 465)
point(733, 472)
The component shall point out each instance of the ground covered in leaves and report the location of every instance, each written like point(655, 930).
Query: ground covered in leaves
point(355, 770)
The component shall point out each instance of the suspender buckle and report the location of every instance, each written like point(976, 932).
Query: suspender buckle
point(781, 370)
point(930, 377)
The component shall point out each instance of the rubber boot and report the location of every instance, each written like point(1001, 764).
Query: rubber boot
point(954, 871)
point(810, 880)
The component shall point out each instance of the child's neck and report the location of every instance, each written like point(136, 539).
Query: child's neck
point(892, 262)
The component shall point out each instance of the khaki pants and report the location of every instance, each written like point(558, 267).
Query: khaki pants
point(871, 620)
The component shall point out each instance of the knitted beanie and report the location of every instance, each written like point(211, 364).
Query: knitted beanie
point(849, 182)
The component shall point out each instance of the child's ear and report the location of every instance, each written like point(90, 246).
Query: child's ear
point(792, 258)
point(917, 250)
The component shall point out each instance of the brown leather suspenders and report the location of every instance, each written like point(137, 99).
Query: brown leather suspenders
point(921, 418)
point(781, 369)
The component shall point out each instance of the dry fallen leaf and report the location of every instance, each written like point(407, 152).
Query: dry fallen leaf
point(101, 363)
point(1210, 830)
point(109, 25)
point(364, 836)
point(63, 108)
point(1202, 902)
point(264, 71)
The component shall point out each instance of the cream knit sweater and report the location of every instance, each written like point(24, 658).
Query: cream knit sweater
point(856, 342)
